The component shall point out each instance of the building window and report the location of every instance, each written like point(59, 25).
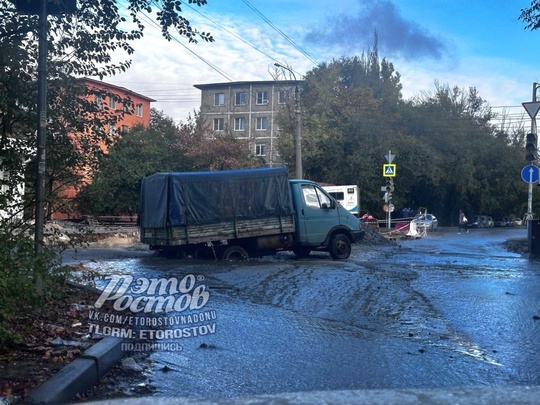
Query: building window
point(260, 149)
point(113, 103)
point(219, 124)
point(262, 123)
point(139, 110)
point(239, 124)
point(262, 97)
point(240, 98)
point(99, 101)
point(112, 128)
point(125, 129)
point(219, 99)
point(283, 96)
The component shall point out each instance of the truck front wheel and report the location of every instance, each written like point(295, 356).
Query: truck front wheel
point(340, 247)
point(234, 254)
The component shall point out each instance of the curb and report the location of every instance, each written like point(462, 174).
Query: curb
point(81, 374)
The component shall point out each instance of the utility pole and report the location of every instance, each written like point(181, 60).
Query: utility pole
point(41, 129)
point(531, 144)
point(42, 8)
point(533, 131)
point(298, 125)
point(531, 173)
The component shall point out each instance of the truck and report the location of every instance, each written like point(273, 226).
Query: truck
point(238, 214)
point(347, 196)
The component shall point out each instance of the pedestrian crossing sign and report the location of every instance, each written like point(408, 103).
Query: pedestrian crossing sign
point(389, 170)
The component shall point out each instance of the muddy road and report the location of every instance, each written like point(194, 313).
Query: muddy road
point(442, 311)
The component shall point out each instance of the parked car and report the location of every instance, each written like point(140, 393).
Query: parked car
point(502, 222)
point(482, 221)
point(518, 221)
point(429, 221)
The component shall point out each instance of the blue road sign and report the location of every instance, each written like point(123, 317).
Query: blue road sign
point(530, 174)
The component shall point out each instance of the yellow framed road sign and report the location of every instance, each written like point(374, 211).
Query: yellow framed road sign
point(389, 170)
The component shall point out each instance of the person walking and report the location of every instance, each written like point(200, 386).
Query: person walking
point(462, 222)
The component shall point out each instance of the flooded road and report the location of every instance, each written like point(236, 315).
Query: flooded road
point(487, 295)
point(442, 311)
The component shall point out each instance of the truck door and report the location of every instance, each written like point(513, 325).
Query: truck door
point(318, 214)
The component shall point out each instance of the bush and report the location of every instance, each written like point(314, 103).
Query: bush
point(27, 281)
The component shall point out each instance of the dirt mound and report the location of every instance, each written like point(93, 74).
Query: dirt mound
point(373, 235)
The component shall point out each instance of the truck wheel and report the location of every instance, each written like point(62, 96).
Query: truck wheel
point(302, 252)
point(340, 247)
point(235, 254)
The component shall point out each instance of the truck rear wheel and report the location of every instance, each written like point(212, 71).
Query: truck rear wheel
point(340, 247)
point(234, 254)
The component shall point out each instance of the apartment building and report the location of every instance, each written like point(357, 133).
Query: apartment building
point(141, 103)
point(249, 110)
point(140, 115)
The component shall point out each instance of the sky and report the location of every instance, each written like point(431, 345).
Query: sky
point(463, 43)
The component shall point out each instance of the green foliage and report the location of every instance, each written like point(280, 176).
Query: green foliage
point(467, 167)
point(448, 155)
point(26, 281)
point(531, 15)
point(347, 125)
point(163, 147)
point(78, 44)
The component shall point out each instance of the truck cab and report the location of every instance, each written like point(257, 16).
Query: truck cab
point(322, 221)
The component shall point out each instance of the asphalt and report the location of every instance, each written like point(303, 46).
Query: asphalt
point(81, 374)
point(86, 371)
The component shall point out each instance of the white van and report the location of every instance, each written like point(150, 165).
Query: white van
point(347, 196)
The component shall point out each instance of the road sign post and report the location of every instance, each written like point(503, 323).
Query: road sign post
point(389, 172)
point(530, 174)
point(532, 109)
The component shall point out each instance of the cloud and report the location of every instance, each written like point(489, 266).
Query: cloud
point(397, 37)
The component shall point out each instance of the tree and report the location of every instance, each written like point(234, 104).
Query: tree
point(163, 147)
point(531, 15)
point(468, 164)
point(448, 153)
point(348, 106)
point(79, 44)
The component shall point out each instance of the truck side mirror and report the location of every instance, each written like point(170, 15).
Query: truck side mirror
point(326, 206)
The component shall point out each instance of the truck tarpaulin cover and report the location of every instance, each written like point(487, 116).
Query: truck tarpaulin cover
point(196, 198)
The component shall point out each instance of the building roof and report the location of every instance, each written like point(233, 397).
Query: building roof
point(246, 83)
point(119, 88)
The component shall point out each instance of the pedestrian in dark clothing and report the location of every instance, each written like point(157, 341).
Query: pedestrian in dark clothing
point(462, 222)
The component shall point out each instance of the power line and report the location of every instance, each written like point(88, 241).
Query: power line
point(247, 3)
point(231, 33)
point(211, 65)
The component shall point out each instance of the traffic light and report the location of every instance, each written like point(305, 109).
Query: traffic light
point(530, 147)
point(389, 188)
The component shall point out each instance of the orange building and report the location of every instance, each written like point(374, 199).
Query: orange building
point(140, 115)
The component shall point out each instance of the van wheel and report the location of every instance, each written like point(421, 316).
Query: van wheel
point(302, 252)
point(235, 254)
point(340, 247)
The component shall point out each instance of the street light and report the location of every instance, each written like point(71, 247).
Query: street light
point(297, 132)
